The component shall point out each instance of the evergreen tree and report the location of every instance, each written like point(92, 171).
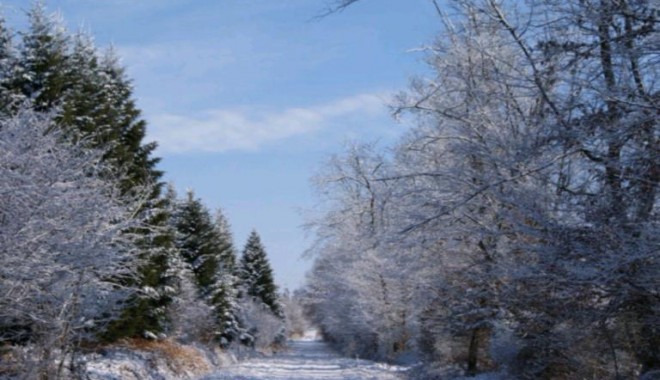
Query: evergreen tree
point(92, 98)
point(257, 276)
point(198, 241)
point(129, 151)
point(207, 247)
point(90, 92)
point(99, 107)
point(44, 67)
point(8, 66)
point(146, 313)
point(223, 292)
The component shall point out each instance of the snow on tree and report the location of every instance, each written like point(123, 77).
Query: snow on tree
point(206, 246)
point(8, 67)
point(361, 289)
point(91, 98)
point(256, 274)
point(64, 244)
point(296, 321)
point(224, 292)
point(44, 66)
point(528, 191)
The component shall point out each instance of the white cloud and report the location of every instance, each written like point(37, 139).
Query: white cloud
point(221, 130)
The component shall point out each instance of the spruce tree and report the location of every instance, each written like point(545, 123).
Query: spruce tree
point(223, 293)
point(8, 68)
point(90, 92)
point(43, 72)
point(207, 247)
point(198, 240)
point(257, 276)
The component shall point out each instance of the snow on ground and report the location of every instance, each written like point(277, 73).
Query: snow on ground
point(308, 359)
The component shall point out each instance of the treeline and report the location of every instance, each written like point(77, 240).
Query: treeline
point(91, 249)
point(514, 228)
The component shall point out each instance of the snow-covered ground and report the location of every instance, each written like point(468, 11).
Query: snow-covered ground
point(308, 359)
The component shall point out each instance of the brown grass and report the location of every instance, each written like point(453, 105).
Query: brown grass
point(180, 358)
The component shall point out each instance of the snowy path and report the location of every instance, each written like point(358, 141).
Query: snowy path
point(308, 360)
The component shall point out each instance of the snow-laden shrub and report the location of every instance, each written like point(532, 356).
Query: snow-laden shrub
point(504, 346)
point(191, 318)
point(296, 323)
point(265, 329)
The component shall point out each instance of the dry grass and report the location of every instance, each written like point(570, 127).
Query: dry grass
point(180, 358)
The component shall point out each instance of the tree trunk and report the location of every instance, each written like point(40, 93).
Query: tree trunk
point(473, 353)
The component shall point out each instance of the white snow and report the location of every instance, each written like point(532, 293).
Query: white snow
point(308, 358)
point(311, 334)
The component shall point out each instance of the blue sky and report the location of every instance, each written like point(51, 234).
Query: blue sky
point(248, 98)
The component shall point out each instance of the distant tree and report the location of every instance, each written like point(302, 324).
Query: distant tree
point(296, 322)
point(207, 248)
point(198, 241)
point(256, 274)
point(224, 292)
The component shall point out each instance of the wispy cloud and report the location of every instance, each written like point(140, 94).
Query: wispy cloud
point(180, 59)
point(221, 130)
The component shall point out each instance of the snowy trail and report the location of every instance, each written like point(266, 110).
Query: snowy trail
point(308, 360)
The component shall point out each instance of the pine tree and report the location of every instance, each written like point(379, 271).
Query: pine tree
point(147, 313)
point(257, 276)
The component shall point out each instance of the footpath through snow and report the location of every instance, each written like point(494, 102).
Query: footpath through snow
point(308, 359)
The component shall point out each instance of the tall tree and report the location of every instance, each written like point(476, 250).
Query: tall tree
point(44, 68)
point(94, 103)
point(198, 240)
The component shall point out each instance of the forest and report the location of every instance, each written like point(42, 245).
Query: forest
point(94, 248)
point(512, 231)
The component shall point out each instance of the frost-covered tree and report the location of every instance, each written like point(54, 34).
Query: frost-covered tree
point(528, 190)
point(296, 321)
point(191, 317)
point(63, 241)
point(362, 288)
